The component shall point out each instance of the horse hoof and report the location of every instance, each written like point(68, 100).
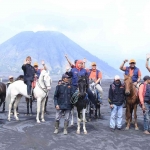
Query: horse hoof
point(71, 124)
point(136, 129)
point(43, 120)
point(8, 119)
point(38, 122)
point(85, 132)
point(78, 132)
point(31, 114)
point(127, 128)
point(17, 119)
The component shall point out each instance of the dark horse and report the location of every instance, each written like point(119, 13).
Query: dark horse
point(132, 101)
point(82, 101)
point(96, 112)
point(2, 95)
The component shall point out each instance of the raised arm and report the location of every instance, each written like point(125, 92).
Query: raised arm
point(44, 66)
point(68, 60)
point(147, 66)
point(122, 65)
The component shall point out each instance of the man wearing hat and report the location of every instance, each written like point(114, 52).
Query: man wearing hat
point(132, 70)
point(96, 76)
point(62, 96)
point(11, 80)
point(116, 99)
point(144, 95)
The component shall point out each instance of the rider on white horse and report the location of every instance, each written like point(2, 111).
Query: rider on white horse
point(29, 73)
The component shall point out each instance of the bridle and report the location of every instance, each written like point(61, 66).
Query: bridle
point(45, 86)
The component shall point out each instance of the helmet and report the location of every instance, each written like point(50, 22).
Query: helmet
point(132, 61)
point(35, 64)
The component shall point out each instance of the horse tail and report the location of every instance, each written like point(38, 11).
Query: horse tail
point(8, 98)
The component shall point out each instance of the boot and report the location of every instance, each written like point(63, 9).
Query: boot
point(56, 127)
point(65, 127)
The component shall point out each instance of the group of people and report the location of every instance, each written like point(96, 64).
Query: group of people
point(69, 84)
point(116, 95)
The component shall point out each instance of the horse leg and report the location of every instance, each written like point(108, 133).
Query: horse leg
point(84, 121)
point(90, 111)
point(78, 121)
point(10, 106)
point(27, 100)
point(128, 117)
point(3, 104)
point(43, 109)
point(38, 109)
point(135, 117)
point(72, 121)
point(15, 107)
point(30, 100)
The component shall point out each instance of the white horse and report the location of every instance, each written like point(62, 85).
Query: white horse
point(18, 89)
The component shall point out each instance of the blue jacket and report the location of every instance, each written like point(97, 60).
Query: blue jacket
point(75, 73)
point(135, 73)
point(29, 72)
point(62, 96)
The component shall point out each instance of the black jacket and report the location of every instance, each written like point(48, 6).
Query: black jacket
point(116, 94)
point(29, 72)
point(63, 95)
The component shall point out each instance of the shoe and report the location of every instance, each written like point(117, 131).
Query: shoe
point(56, 127)
point(119, 128)
point(146, 132)
point(112, 129)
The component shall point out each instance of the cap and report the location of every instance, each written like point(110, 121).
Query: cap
point(93, 64)
point(65, 76)
point(35, 64)
point(117, 77)
point(146, 78)
point(132, 61)
point(11, 77)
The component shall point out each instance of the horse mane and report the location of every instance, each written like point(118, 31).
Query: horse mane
point(20, 77)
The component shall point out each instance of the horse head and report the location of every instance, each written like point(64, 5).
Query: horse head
point(45, 77)
point(128, 84)
point(82, 84)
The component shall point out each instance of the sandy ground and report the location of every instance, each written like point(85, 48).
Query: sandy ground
point(26, 134)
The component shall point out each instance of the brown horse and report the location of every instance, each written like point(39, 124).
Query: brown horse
point(132, 101)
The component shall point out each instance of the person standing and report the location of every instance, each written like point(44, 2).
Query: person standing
point(62, 96)
point(144, 95)
point(116, 99)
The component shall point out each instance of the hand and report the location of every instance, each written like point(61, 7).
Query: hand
point(111, 106)
point(67, 68)
point(147, 56)
point(126, 60)
point(84, 60)
point(43, 63)
point(57, 107)
point(66, 56)
point(25, 62)
point(143, 108)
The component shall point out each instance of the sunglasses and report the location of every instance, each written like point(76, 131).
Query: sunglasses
point(93, 65)
point(132, 63)
point(117, 80)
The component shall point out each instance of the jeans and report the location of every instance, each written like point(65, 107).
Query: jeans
point(100, 92)
point(60, 112)
point(147, 117)
point(116, 111)
point(29, 85)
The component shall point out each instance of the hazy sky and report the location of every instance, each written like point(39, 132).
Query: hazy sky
point(110, 29)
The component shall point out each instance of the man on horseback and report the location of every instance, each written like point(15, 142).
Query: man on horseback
point(29, 73)
point(77, 72)
point(96, 76)
point(144, 95)
point(116, 99)
point(62, 96)
point(132, 70)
